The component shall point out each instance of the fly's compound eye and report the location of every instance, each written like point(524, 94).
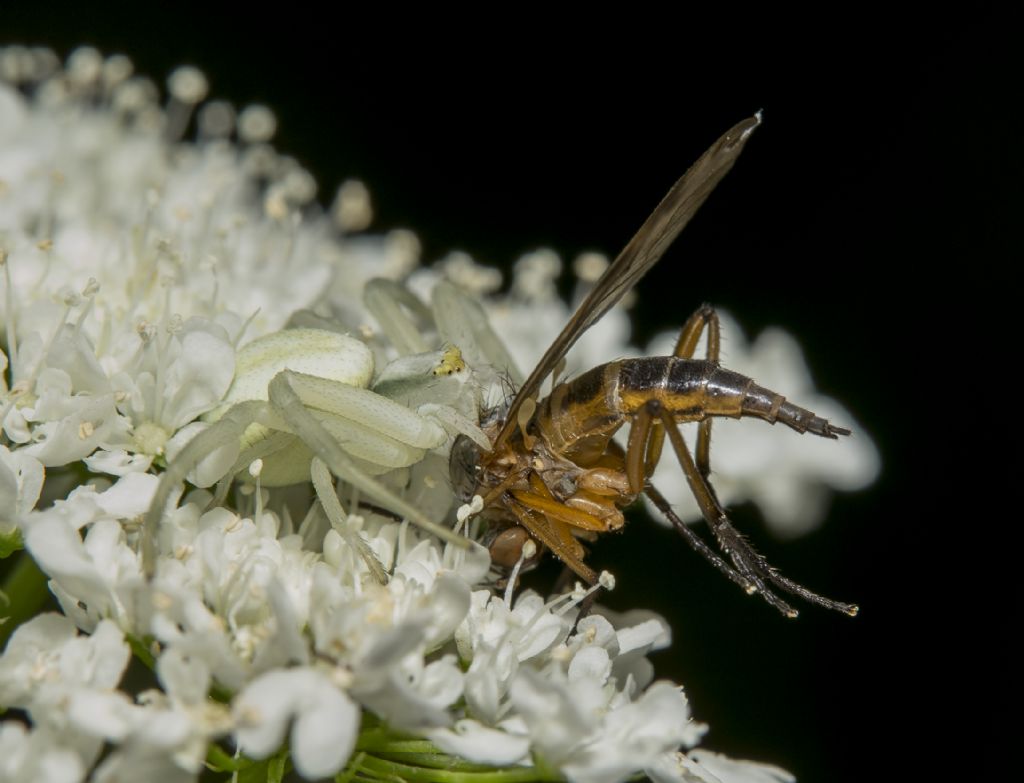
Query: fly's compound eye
point(464, 468)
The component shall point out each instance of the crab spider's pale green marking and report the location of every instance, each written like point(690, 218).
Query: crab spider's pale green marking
point(301, 397)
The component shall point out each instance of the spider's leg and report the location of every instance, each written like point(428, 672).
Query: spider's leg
point(389, 302)
point(224, 433)
point(265, 447)
point(461, 321)
point(748, 562)
point(323, 484)
point(305, 425)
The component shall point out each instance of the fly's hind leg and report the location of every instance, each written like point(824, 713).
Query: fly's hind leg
point(749, 564)
point(564, 547)
point(647, 426)
point(704, 318)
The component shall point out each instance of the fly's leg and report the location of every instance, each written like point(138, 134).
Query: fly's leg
point(704, 318)
point(697, 543)
point(545, 532)
point(749, 564)
point(646, 427)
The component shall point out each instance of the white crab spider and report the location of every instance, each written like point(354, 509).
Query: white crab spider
point(301, 403)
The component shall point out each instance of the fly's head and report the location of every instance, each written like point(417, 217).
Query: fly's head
point(465, 468)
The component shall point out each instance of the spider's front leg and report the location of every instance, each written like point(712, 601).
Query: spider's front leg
point(279, 411)
point(287, 391)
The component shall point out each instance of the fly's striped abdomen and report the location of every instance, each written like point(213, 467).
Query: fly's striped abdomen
point(689, 389)
point(580, 416)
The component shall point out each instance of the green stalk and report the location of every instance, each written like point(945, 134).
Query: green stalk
point(384, 769)
point(25, 592)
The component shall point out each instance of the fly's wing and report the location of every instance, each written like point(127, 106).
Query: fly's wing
point(642, 252)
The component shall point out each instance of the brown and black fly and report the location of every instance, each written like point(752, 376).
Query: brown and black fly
point(555, 476)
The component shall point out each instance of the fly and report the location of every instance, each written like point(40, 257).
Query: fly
point(555, 476)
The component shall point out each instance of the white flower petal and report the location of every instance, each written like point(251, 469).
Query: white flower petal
point(36, 755)
point(108, 655)
point(556, 719)
point(21, 480)
point(201, 375)
point(324, 736)
point(130, 496)
point(449, 604)
point(117, 462)
point(477, 743)
point(263, 711)
point(212, 467)
point(678, 768)
point(326, 720)
point(652, 634)
point(739, 771)
point(109, 716)
point(185, 679)
point(85, 424)
point(72, 353)
point(58, 550)
point(590, 663)
point(633, 737)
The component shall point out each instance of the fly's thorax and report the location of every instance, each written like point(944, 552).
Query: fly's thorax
point(579, 417)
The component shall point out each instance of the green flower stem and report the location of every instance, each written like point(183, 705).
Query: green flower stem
point(379, 739)
point(405, 749)
point(435, 760)
point(10, 541)
point(24, 593)
point(384, 769)
point(141, 651)
point(349, 773)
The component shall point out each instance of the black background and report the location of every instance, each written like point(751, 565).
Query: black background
point(870, 216)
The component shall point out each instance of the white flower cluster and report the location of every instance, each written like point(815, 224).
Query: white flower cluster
point(134, 266)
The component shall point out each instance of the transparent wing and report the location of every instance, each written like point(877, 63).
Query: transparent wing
point(643, 251)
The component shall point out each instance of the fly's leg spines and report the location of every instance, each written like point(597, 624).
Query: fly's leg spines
point(749, 565)
point(643, 428)
point(704, 318)
point(696, 542)
point(728, 538)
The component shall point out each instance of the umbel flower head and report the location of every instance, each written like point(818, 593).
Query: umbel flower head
point(152, 287)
